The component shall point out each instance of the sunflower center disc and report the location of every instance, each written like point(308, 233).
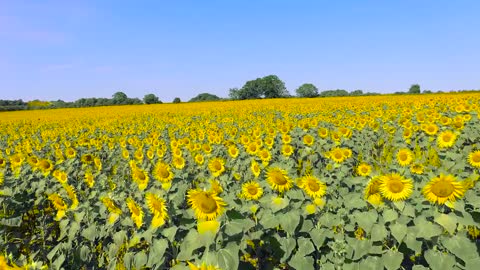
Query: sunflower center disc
point(447, 138)
point(313, 186)
point(279, 179)
point(403, 156)
point(163, 172)
point(217, 166)
point(252, 190)
point(442, 189)
point(395, 186)
point(476, 158)
point(208, 204)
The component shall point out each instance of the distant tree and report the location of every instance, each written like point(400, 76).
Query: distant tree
point(334, 93)
point(427, 91)
point(356, 93)
point(273, 87)
point(151, 99)
point(307, 90)
point(133, 101)
point(234, 93)
point(414, 89)
point(176, 100)
point(204, 97)
point(119, 98)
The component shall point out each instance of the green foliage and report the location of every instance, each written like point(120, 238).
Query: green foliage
point(151, 99)
point(204, 97)
point(176, 100)
point(307, 90)
point(414, 89)
point(334, 93)
point(267, 87)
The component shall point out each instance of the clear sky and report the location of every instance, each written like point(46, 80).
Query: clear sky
point(71, 49)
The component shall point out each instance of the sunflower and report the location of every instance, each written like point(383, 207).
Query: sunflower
point(308, 140)
point(416, 168)
point(207, 205)
point(70, 152)
point(286, 139)
point(178, 162)
point(125, 154)
point(45, 166)
point(474, 159)
point(207, 148)
point(136, 212)
point(216, 166)
point(162, 172)
point(404, 157)
point(431, 129)
point(203, 266)
point(287, 150)
point(233, 151)
point(312, 186)
point(252, 190)
point(140, 177)
point(336, 155)
point(158, 208)
point(71, 195)
point(310, 209)
point(3, 162)
point(395, 187)
point(269, 142)
point(59, 204)
point(443, 188)
point(364, 169)
point(87, 158)
point(252, 148)
point(407, 133)
point(255, 168)
point(278, 179)
point(204, 226)
point(89, 179)
point(61, 176)
point(199, 159)
point(372, 191)
point(114, 211)
point(215, 186)
point(265, 155)
point(16, 160)
point(446, 139)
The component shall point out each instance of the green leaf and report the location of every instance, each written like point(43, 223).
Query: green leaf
point(439, 261)
point(392, 260)
point(318, 236)
point(371, 262)
point(157, 251)
point(448, 222)
point(427, 229)
point(360, 248)
point(398, 231)
point(90, 233)
point(140, 259)
point(269, 221)
point(305, 246)
point(228, 257)
point(288, 245)
point(290, 221)
point(57, 264)
point(390, 215)
point(237, 226)
point(84, 253)
point(413, 243)
point(461, 247)
point(366, 220)
point(400, 205)
point(378, 232)
point(409, 211)
point(301, 262)
point(170, 233)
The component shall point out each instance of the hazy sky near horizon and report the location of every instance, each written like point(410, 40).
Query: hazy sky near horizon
point(67, 50)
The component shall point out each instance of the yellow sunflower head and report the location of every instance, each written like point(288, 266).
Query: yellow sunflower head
point(252, 190)
point(233, 151)
point(199, 159)
point(162, 172)
point(404, 157)
point(364, 169)
point(205, 204)
point(45, 165)
point(255, 167)
point(216, 166)
point(442, 189)
point(70, 152)
point(278, 179)
point(312, 186)
point(416, 168)
point(395, 187)
point(308, 140)
point(203, 266)
point(136, 212)
point(372, 191)
point(158, 208)
point(87, 159)
point(336, 155)
point(446, 139)
point(178, 162)
point(287, 150)
point(431, 129)
point(474, 158)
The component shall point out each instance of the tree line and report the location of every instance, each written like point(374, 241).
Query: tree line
point(265, 87)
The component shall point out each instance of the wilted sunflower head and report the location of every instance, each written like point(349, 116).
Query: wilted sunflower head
point(207, 205)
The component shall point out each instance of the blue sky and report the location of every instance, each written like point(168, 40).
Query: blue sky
point(71, 49)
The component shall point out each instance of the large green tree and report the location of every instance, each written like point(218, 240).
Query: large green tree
point(119, 98)
point(267, 87)
point(204, 97)
point(307, 90)
point(414, 89)
point(151, 99)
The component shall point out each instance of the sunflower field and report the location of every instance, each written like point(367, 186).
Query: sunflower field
point(380, 182)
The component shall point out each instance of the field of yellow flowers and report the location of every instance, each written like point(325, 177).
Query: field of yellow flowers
point(327, 183)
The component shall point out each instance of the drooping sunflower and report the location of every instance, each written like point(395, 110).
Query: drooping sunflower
point(72, 195)
point(113, 209)
point(312, 186)
point(364, 169)
point(207, 205)
point(162, 172)
point(136, 212)
point(32, 160)
point(443, 188)
point(61, 176)
point(474, 158)
point(255, 167)
point(404, 157)
point(158, 208)
point(59, 204)
point(396, 187)
point(89, 179)
point(252, 190)
point(278, 179)
point(140, 177)
point(372, 191)
point(446, 139)
point(216, 166)
point(45, 165)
